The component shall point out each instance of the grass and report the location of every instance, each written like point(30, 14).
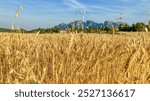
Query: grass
point(74, 59)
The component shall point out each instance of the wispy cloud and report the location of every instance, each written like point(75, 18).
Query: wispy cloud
point(74, 4)
point(101, 9)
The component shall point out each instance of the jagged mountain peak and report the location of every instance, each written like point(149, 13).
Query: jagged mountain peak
point(78, 23)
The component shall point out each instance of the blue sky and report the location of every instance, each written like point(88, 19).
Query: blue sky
point(47, 13)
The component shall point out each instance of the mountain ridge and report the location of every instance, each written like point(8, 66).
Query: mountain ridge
point(88, 23)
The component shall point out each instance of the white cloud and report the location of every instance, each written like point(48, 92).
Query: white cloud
point(74, 4)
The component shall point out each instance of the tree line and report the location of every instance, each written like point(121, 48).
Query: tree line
point(139, 26)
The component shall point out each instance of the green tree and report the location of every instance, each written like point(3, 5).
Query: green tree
point(90, 29)
point(133, 27)
point(79, 30)
point(71, 26)
point(108, 30)
point(148, 26)
point(139, 26)
point(124, 27)
point(56, 29)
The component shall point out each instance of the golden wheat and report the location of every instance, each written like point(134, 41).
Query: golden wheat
point(69, 59)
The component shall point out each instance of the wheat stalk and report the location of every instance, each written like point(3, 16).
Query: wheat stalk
point(17, 15)
point(12, 27)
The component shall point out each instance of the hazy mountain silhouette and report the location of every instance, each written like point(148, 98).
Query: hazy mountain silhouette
point(88, 23)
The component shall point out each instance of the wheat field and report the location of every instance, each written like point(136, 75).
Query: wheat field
point(74, 59)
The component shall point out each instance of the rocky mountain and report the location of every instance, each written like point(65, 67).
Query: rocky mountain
point(88, 23)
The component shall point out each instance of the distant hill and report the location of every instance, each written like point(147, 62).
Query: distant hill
point(88, 23)
point(5, 30)
point(9, 30)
